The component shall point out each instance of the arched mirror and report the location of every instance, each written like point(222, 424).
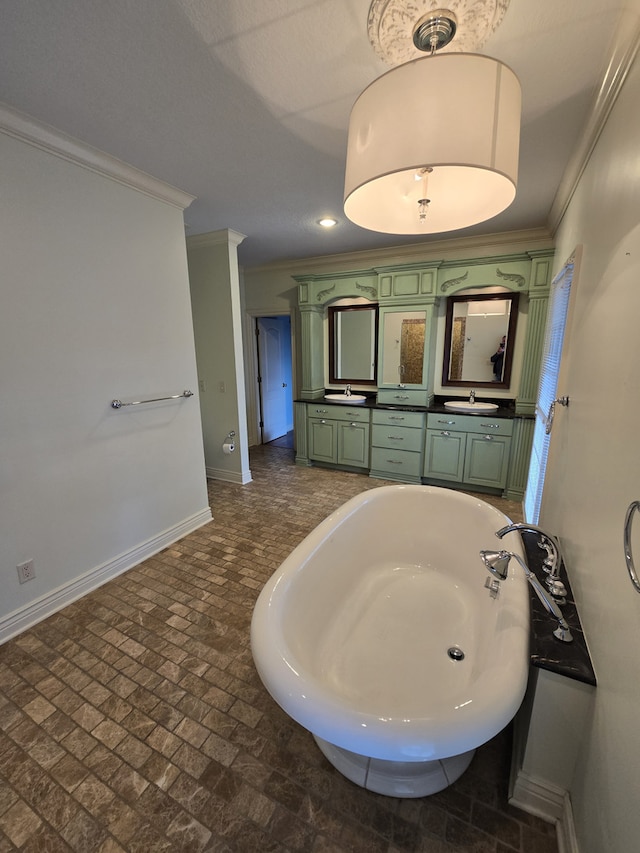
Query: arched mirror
point(480, 333)
point(353, 344)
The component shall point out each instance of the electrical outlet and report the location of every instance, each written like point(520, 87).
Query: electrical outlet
point(26, 571)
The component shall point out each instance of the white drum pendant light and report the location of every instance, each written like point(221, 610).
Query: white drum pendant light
point(433, 144)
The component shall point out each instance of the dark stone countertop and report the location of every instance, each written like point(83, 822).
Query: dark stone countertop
point(547, 652)
point(506, 407)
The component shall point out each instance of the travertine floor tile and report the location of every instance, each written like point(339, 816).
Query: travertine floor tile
point(134, 719)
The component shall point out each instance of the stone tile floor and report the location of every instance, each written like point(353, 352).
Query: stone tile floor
point(133, 720)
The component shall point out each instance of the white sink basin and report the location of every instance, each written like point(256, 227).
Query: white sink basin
point(342, 398)
point(465, 406)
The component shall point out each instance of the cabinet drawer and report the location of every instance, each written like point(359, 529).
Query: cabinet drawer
point(341, 412)
point(398, 464)
point(398, 418)
point(470, 423)
point(398, 438)
point(401, 397)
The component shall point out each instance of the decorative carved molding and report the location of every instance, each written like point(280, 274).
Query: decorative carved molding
point(324, 293)
point(518, 280)
point(367, 289)
point(391, 24)
point(447, 285)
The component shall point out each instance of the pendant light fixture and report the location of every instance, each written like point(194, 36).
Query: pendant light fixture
point(433, 144)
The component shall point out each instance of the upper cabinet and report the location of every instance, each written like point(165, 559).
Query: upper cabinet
point(406, 339)
point(494, 297)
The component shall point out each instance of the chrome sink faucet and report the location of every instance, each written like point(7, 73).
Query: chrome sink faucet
point(347, 391)
point(472, 396)
point(553, 560)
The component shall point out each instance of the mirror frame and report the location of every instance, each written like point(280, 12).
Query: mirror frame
point(331, 314)
point(511, 337)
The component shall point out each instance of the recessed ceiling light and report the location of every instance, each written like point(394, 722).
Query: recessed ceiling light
point(327, 222)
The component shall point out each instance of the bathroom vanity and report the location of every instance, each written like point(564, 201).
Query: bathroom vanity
point(409, 338)
point(338, 435)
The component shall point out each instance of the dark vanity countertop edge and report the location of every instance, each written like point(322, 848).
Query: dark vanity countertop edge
point(507, 411)
point(569, 659)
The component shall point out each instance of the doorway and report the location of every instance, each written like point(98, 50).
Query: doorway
point(274, 377)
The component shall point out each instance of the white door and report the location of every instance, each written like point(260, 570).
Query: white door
point(274, 376)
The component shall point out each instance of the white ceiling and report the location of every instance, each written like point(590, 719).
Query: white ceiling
point(245, 103)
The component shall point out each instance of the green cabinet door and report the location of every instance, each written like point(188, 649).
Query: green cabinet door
point(487, 460)
point(353, 444)
point(444, 455)
point(323, 444)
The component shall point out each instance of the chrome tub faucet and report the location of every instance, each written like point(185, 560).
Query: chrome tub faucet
point(497, 563)
point(551, 563)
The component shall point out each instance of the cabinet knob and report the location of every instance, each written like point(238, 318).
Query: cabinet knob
point(490, 426)
point(450, 423)
point(395, 437)
point(488, 438)
point(353, 423)
point(445, 432)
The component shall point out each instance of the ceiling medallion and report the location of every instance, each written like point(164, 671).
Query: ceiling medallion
point(392, 23)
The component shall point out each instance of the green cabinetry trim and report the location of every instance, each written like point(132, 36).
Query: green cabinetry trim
point(317, 290)
point(406, 285)
point(300, 433)
point(312, 346)
point(521, 443)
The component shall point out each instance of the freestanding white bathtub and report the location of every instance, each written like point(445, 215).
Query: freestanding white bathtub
point(378, 635)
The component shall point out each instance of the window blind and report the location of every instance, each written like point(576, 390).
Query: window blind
point(547, 390)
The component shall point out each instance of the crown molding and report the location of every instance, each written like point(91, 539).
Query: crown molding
point(226, 236)
point(624, 48)
point(46, 138)
point(499, 243)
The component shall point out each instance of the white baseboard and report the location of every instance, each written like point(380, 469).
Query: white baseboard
point(566, 829)
point(25, 617)
point(229, 476)
point(549, 802)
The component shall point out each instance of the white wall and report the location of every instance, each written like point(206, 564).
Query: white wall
point(594, 469)
point(217, 317)
point(95, 306)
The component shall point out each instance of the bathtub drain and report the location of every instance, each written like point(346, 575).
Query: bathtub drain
point(455, 653)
